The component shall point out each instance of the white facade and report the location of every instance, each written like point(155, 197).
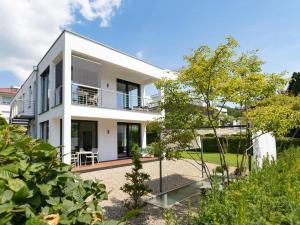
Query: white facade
point(264, 147)
point(97, 84)
point(6, 96)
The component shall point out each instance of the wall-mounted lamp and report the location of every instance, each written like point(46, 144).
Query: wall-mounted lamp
point(107, 85)
point(107, 131)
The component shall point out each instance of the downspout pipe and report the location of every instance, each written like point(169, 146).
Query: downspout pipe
point(36, 69)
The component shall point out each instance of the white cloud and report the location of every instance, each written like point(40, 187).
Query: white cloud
point(140, 54)
point(29, 27)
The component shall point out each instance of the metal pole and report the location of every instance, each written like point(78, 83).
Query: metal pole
point(249, 144)
point(160, 170)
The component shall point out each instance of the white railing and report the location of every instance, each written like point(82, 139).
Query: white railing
point(98, 97)
point(20, 107)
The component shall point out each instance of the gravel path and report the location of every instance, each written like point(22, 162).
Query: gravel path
point(175, 174)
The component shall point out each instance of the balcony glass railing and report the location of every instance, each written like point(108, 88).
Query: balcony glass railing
point(98, 97)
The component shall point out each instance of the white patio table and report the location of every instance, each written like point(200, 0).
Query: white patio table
point(80, 153)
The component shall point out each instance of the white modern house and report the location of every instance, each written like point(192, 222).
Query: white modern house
point(84, 95)
point(6, 96)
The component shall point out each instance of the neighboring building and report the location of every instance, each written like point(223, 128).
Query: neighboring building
point(85, 95)
point(6, 96)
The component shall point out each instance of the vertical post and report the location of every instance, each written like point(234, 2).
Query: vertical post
point(66, 119)
point(144, 135)
point(160, 170)
point(249, 144)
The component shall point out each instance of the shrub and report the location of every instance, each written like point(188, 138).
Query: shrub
point(135, 186)
point(268, 196)
point(36, 186)
point(210, 143)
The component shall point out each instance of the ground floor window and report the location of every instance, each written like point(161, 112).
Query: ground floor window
point(44, 126)
point(83, 135)
point(128, 135)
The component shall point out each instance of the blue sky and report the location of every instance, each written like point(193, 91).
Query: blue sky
point(161, 32)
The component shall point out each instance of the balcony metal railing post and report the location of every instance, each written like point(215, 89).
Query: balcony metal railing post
point(94, 96)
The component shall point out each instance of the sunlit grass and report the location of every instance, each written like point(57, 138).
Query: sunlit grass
point(231, 158)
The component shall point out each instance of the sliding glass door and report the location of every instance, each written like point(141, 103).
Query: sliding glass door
point(128, 135)
point(128, 95)
point(83, 135)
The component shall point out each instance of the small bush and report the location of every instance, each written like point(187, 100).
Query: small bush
point(135, 186)
point(35, 186)
point(267, 196)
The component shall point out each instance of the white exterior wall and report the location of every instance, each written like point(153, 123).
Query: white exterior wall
point(107, 140)
point(4, 110)
point(264, 146)
point(107, 117)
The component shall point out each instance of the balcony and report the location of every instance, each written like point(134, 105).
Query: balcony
point(97, 97)
point(22, 109)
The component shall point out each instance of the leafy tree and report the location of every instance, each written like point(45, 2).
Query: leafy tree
point(136, 187)
point(294, 84)
point(278, 114)
point(210, 80)
point(35, 186)
point(234, 112)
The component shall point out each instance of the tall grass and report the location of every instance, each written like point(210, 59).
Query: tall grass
point(270, 195)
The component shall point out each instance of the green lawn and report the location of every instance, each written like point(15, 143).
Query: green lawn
point(214, 157)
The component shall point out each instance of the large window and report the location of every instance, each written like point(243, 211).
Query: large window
point(83, 135)
point(58, 82)
point(6, 100)
point(44, 129)
point(128, 96)
point(45, 90)
point(128, 135)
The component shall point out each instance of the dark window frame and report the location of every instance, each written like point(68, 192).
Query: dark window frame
point(58, 83)
point(127, 91)
point(44, 93)
point(43, 135)
point(96, 131)
point(128, 136)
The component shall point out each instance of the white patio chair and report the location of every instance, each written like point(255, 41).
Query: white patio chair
point(74, 159)
point(93, 156)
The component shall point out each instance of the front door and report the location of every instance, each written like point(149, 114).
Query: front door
point(128, 135)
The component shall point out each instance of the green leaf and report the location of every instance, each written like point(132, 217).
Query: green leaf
point(37, 220)
point(53, 200)
point(21, 194)
point(5, 174)
point(37, 167)
point(5, 218)
point(6, 207)
point(45, 189)
point(6, 196)
point(9, 150)
point(84, 218)
point(15, 184)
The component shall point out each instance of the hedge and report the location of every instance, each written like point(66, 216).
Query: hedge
point(210, 143)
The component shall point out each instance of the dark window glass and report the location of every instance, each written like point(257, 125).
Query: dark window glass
point(83, 135)
point(44, 126)
point(128, 135)
point(128, 95)
point(45, 90)
point(58, 82)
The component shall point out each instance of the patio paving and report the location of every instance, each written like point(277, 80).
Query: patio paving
point(175, 174)
point(109, 164)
